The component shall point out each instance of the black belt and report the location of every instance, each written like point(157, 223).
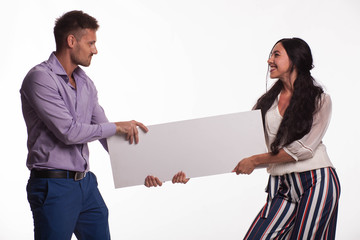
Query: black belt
point(57, 174)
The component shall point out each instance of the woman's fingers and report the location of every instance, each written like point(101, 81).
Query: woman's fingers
point(180, 177)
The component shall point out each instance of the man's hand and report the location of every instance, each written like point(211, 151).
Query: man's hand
point(151, 181)
point(130, 130)
point(180, 177)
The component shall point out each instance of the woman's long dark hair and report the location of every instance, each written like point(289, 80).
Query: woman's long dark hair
point(298, 117)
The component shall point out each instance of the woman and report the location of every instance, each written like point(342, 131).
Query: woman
point(303, 188)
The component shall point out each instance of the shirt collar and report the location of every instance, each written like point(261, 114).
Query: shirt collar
point(58, 69)
point(55, 65)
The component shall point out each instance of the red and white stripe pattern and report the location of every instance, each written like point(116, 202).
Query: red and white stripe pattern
point(299, 206)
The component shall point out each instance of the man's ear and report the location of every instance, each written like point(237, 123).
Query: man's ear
point(71, 40)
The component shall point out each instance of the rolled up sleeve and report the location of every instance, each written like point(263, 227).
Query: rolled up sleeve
point(304, 148)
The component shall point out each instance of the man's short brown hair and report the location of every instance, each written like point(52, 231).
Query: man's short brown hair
point(72, 23)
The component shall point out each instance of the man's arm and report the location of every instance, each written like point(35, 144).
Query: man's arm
point(42, 94)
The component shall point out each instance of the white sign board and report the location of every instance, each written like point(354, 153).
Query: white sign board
point(199, 147)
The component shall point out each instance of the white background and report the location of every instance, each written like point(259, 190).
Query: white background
point(166, 60)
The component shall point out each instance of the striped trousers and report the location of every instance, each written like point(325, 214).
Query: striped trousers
point(299, 206)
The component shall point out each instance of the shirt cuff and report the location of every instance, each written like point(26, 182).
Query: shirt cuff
point(107, 129)
point(291, 154)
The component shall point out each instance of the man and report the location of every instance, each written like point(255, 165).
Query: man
point(62, 114)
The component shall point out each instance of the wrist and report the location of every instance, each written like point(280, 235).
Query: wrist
point(260, 159)
point(118, 128)
point(255, 160)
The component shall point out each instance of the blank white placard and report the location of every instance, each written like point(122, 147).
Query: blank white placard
point(199, 147)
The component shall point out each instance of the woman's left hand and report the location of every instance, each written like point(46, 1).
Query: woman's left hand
point(245, 166)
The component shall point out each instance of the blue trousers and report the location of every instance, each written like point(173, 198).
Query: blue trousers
point(63, 206)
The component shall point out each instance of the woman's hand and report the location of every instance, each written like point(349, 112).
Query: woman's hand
point(245, 166)
point(180, 177)
point(151, 181)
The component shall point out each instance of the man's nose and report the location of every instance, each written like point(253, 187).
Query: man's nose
point(94, 50)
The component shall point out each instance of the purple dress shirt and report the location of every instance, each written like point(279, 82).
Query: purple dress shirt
point(60, 119)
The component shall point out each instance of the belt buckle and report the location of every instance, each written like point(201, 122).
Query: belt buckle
point(79, 175)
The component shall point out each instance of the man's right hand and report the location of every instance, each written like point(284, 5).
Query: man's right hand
point(129, 128)
point(151, 181)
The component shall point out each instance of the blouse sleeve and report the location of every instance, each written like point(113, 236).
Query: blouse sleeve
point(304, 148)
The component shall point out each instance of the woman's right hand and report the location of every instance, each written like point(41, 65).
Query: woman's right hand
point(180, 177)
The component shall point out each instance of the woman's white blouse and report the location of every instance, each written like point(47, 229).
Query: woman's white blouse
point(309, 151)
